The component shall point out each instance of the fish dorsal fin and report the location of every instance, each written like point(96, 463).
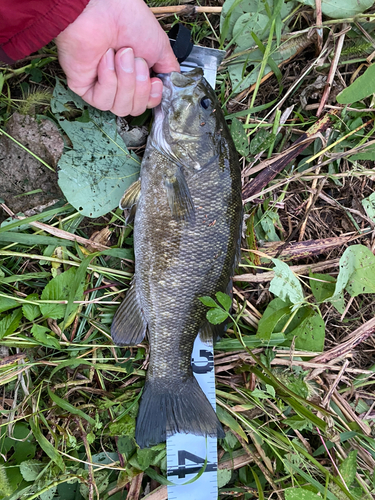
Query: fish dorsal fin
point(178, 195)
point(131, 196)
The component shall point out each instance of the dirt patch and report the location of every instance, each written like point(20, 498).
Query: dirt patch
point(24, 181)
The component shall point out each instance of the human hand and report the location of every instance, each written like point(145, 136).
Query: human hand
point(107, 52)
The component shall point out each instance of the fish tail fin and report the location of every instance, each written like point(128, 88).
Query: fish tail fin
point(182, 407)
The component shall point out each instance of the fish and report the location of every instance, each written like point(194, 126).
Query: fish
point(187, 231)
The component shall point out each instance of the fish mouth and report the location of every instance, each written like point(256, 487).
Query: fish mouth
point(174, 85)
point(175, 80)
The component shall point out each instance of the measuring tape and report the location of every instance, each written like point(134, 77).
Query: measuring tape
point(186, 453)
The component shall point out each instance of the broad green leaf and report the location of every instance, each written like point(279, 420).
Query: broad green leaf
point(69, 407)
point(368, 203)
point(49, 494)
point(31, 311)
point(341, 9)
point(285, 284)
point(146, 457)
point(268, 322)
point(310, 334)
point(24, 449)
point(101, 482)
point(59, 288)
point(10, 323)
point(30, 469)
point(258, 393)
point(232, 10)
point(46, 446)
point(300, 494)
point(7, 303)
point(296, 422)
point(40, 335)
point(97, 171)
point(362, 87)
point(208, 301)
point(348, 468)
point(357, 271)
point(262, 140)
point(224, 300)
point(5, 486)
point(223, 477)
point(239, 136)
point(216, 316)
point(368, 153)
point(324, 289)
point(125, 426)
point(13, 481)
point(246, 25)
point(126, 445)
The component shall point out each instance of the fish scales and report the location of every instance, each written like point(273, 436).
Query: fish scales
point(186, 241)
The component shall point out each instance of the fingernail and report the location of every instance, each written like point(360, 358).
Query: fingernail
point(127, 60)
point(110, 59)
point(156, 88)
point(141, 69)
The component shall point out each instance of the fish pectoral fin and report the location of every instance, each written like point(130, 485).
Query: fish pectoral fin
point(129, 324)
point(131, 196)
point(178, 195)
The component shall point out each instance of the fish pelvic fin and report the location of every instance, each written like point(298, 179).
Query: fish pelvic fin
point(179, 406)
point(129, 324)
point(178, 195)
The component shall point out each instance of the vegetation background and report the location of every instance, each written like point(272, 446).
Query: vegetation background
point(295, 371)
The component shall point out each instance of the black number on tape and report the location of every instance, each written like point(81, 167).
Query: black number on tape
point(184, 469)
point(208, 367)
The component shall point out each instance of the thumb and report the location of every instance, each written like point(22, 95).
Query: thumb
point(167, 61)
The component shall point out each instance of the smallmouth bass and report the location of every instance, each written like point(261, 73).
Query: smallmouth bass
point(187, 232)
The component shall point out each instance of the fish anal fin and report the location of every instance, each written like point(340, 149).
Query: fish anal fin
point(178, 195)
point(212, 333)
point(129, 324)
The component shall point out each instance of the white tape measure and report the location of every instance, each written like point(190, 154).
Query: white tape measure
point(187, 453)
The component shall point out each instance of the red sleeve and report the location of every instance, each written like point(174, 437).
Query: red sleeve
point(28, 25)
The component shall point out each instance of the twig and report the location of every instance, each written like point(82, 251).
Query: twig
point(59, 233)
point(359, 335)
point(330, 456)
point(331, 74)
point(259, 464)
point(185, 10)
point(319, 29)
point(328, 396)
point(135, 487)
point(268, 276)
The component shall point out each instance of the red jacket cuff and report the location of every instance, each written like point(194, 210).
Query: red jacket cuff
point(29, 25)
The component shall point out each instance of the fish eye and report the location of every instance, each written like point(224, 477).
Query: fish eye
point(205, 102)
